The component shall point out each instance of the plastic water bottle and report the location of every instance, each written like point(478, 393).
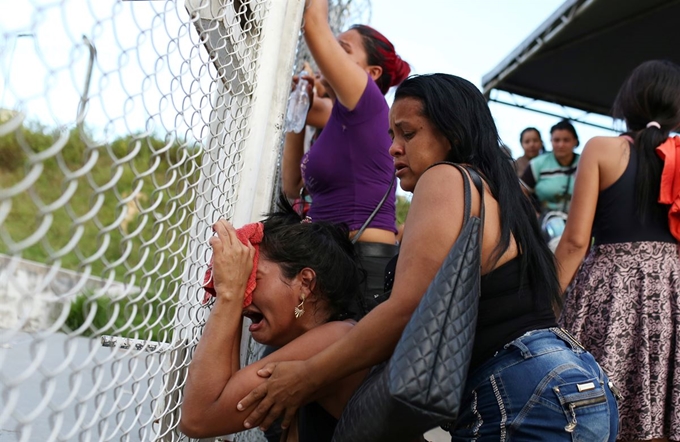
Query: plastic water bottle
point(298, 106)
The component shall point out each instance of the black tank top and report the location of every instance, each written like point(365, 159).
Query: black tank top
point(507, 309)
point(315, 424)
point(615, 217)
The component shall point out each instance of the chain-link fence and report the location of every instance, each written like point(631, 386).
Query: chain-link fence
point(126, 129)
point(341, 14)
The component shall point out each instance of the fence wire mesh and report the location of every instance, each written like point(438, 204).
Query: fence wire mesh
point(124, 134)
point(341, 14)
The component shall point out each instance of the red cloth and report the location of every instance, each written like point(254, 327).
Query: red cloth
point(250, 232)
point(669, 152)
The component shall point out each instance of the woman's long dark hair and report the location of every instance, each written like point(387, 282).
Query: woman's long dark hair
point(650, 93)
point(459, 111)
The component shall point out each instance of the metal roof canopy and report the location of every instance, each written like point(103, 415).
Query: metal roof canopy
point(581, 55)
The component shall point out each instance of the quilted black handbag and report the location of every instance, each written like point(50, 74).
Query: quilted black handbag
point(421, 386)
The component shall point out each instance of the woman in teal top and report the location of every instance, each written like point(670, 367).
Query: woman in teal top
point(551, 175)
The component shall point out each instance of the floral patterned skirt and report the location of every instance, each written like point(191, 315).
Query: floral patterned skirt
point(624, 306)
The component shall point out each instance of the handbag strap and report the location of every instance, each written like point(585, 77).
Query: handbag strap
point(355, 238)
point(479, 184)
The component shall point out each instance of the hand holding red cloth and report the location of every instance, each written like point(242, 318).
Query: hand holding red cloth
point(250, 232)
point(669, 152)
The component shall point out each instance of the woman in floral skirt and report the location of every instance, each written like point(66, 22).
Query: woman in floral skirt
point(624, 301)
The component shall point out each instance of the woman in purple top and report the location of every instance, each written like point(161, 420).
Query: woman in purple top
point(348, 170)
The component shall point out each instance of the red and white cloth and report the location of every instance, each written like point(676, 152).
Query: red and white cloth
point(250, 232)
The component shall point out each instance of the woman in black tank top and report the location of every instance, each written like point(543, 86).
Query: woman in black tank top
point(624, 300)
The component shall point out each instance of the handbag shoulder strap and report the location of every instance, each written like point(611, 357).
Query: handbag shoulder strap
point(356, 236)
point(479, 184)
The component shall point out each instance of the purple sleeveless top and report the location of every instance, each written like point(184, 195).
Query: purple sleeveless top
point(348, 169)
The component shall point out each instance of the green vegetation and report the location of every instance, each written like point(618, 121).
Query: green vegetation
point(149, 320)
point(127, 215)
point(403, 205)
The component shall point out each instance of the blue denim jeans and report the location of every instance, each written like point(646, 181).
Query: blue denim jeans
point(543, 386)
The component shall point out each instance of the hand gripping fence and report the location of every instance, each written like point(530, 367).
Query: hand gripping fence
point(127, 128)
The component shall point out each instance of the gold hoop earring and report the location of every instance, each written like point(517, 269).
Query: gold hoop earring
point(300, 309)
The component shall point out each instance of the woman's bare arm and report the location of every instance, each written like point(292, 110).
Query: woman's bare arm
point(294, 143)
point(577, 236)
point(319, 112)
point(216, 358)
point(213, 390)
point(291, 175)
point(346, 77)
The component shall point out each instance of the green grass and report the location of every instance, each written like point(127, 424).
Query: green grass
point(126, 319)
point(149, 259)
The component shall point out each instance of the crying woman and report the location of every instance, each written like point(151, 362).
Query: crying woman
point(296, 281)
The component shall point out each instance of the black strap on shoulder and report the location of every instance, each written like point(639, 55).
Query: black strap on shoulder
point(356, 236)
point(479, 184)
point(467, 194)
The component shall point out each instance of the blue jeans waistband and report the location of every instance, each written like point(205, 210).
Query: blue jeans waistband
point(531, 344)
point(546, 333)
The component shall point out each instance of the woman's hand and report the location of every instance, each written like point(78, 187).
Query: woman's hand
point(315, 9)
point(232, 262)
point(311, 83)
point(290, 385)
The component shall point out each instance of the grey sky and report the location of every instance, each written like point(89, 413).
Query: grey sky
point(469, 38)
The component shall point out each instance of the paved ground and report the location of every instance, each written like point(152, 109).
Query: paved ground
point(106, 397)
point(438, 435)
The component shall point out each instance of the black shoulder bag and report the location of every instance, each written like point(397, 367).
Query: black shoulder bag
point(422, 384)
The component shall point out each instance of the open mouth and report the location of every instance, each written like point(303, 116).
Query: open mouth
point(255, 317)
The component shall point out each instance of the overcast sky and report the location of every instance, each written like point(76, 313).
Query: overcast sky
point(469, 39)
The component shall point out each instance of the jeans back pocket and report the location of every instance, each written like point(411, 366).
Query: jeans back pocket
point(585, 409)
